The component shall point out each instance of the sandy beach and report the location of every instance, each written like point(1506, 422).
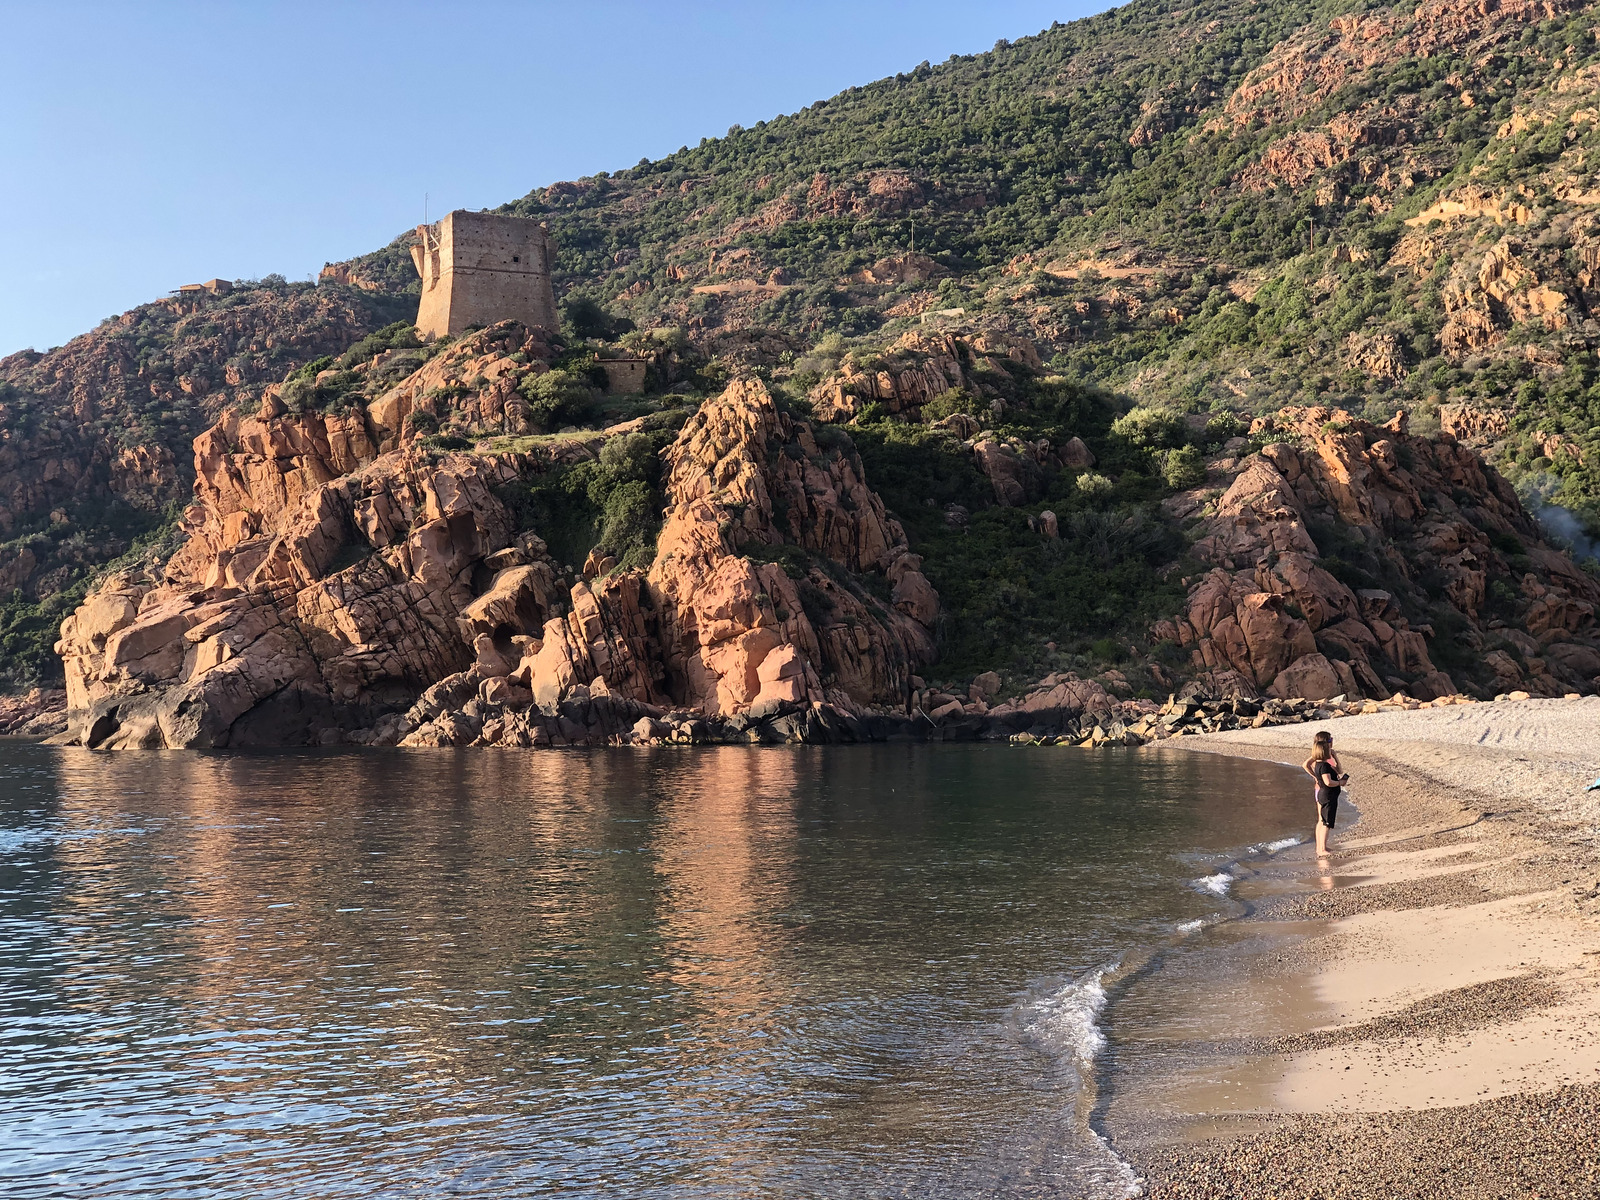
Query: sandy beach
point(1418, 1016)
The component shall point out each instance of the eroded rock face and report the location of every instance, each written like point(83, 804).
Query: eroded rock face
point(1475, 425)
point(716, 626)
point(1271, 618)
point(273, 624)
point(38, 712)
point(329, 591)
point(109, 415)
point(919, 368)
point(470, 389)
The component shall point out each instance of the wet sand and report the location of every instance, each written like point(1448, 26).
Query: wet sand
point(1417, 1016)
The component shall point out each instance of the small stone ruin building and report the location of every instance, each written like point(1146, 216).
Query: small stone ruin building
point(624, 376)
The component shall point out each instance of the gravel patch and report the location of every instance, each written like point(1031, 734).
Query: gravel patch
point(1530, 1147)
point(1442, 891)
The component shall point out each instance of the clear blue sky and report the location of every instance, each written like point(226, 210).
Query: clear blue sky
point(154, 144)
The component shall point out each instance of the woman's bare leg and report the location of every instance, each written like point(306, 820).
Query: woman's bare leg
point(1322, 838)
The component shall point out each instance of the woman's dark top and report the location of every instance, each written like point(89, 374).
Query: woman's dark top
point(1327, 780)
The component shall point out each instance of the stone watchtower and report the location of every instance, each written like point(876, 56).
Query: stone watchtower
point(479, 268)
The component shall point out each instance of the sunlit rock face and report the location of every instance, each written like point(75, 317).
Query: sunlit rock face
point(1271, 619)
point(341, 581)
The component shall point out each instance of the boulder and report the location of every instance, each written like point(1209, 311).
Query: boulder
point(1009, 473)
point(519, 601)
point(782, 676)
point(1075, 454)
point(1433, 685)
point(1310, 676)
point(1580, 662)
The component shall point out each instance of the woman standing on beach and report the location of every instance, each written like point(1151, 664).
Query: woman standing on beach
point(1323, 767)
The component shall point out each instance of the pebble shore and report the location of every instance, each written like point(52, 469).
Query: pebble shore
point(1524, 1147)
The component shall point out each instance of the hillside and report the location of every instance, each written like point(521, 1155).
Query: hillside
point(1205, 214)
point(1224, 204)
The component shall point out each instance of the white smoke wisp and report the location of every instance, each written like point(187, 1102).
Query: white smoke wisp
point(1559, 524)
point(1562, 526)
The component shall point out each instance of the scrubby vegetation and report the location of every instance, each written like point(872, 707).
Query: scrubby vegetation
point(611, 504)
point(338, 384)
point(1013, 597)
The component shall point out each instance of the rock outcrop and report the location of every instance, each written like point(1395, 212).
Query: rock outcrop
point(1476, 426)
point(93, 434)
point(1272, 617)
point(918, 369)
point(208, 353)
point(39, 712)
point(752, 601)
point(469, 390)
point(330, 589)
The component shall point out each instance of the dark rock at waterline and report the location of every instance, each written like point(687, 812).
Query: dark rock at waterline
point(461, 710)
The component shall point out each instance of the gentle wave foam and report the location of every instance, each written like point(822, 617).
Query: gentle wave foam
point(1216, 885)
point(1274, 847)
point(1067, 1022)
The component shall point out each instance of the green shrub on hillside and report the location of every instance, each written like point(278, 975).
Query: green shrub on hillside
point(401, 335)
point(560, 398)
point(1183, 468)
point(1094, 485)
point(583, 318)
point(612, 503)
point(1149, 428)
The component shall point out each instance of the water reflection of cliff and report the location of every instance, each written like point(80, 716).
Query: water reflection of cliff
point(423, 922)
point(725, 854)
point(720, 970)
point(726, 857)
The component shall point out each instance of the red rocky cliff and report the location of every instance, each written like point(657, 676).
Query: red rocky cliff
point(1272, 617)
point(714, 628)
point(326, 587)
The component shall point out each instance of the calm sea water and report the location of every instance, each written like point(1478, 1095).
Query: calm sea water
point(725, 972)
